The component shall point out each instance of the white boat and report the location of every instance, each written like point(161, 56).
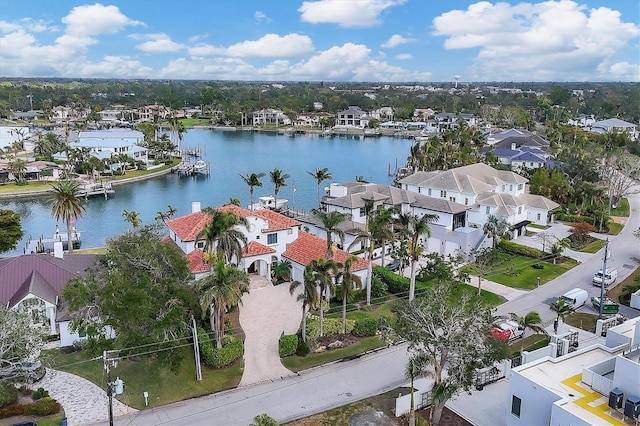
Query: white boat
point(266, 202)
point(200, 166)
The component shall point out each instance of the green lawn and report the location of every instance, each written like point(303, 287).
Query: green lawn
point(298, 363)
point(34, 185)
point(191, 122)
point(615, 228)
point(529, 343)
point(582, 320)
point(164, 387)
point(622, 209)
point(518, 271)
point(594, 246)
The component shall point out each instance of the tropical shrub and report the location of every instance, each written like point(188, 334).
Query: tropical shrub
point(574, 218)
point(39, 394)
point(332, 326)
point(395, 283)
point(302, 349)
point(8, 393)
point(518, 249)
point(378, 287)
point(365, 327)
point(287, 345)
point(43, 407)
point(11, 410)
point(231, 350)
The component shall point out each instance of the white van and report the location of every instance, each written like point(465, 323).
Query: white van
point(575, 298)
point(609, 278)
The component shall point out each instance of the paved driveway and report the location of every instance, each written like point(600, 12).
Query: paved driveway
point(266, 313)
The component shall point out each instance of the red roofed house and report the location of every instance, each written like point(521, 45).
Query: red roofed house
point(271, 237)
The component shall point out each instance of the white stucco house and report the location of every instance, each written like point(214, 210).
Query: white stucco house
point(104, 144)
point(353, 117)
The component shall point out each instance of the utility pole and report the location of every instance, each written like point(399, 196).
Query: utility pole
point(107, 367)
point(602, 278)
point(196, 349)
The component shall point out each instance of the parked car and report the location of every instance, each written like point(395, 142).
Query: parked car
point(29, 372)
point(609, 278)
point(507, 331)
point(394, 265)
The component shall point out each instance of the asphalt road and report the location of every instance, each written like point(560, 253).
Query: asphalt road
point(340, 383)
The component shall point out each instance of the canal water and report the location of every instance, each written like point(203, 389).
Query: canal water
point(230, 154)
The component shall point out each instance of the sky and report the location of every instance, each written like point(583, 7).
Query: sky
point(322, 40)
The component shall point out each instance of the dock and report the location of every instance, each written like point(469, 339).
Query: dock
point(45, 245)
point(98, 188)
point(186, 168)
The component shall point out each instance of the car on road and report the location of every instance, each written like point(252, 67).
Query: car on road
point(29, 372)
point(394, 265)
point(507, 331)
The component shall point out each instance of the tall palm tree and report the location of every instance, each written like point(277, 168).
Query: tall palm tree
point(221, 236)
point(133, 218)
point(18, 167)
point(323, 272)
point(309, 297)
point(252, 181)
point(164, 216)
point(562, 310)
point(365, 236)
point(350, 282)
point(411, 372)
point(381, 227)
point(495, 227)
point(219, 291)
point(320, 175)
point(279, 180)
point(66, 205)
point(414, 227)
point(330, 224)
point(530, 321)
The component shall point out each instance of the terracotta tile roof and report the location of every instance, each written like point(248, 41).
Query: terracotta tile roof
point(256, 249)
point(308, 247)
point(189, 226)
point(276, 221)
point(196, 262)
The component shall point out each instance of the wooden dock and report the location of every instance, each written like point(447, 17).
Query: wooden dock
point(99, 188)
point(45, 245)
point(186, 168)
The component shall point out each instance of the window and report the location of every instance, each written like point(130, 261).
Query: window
point(516, 404)
point(452, 199)
point(362, 212)
point(429, 192)
point(488, 210)
point(200, 244)
point(272, 238)
point(519, 187)
point(466, 201)
point(519, 209)
point(510, 188)
point(538, 216)
point(419, 190)
point(443, 194)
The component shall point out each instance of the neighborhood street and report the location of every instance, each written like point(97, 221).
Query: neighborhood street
point(340, 383)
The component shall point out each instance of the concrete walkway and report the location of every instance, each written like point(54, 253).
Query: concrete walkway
point(83, 402)
point(266, 313)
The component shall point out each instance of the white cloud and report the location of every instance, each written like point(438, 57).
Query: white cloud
point(404, 56)
point(96, 19)
point(158, 43)
point(7, 27)
point(111, 67)
point(206, 50)
point(273, 45)
point(552, 40)
point(396, 40)
point(352, 13)
point(261, 17)
point(624, 71)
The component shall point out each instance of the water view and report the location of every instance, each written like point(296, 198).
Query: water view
point(230, 154)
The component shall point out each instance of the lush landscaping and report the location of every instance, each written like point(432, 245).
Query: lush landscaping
point(149, 375)
point(192, 122)
point(615, 228)
point(594, 246)
point(298, 363)
point(622, 209)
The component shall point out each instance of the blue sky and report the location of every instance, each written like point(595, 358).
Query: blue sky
point(322, 40)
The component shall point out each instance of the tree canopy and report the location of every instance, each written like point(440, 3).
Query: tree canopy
point(19, 340)
point(10, 230)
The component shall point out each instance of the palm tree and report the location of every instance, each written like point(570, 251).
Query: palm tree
point(279, 180)
point(531, 321)
point(18, 166)
point(133, 218)
point(164, 216)
point(66, 205)
point(219, 291)
point(281, 271)
point(252, 181)
point(381, 227)
point(222, 237)
point(562, 310)
point(323, 272)
point(350, 282)
point(309, 297)
point(414, 227)
point(320, 175)
point(330, 224)
point(411, 373)
point(495, 227)
point(366, 237)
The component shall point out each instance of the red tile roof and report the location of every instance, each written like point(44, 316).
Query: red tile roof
point(189, 226)
point(276, 221)
point(308, 247)
point(256, 249)
point(196, 262)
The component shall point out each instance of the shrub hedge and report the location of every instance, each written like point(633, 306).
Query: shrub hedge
point(8, 393)
point(331, 326)
point(43, 407)
point(287, 345)
point(231, 350)
point(395, 283)
point(574, 218)
point(365, 327)
point(303, 348)
point(517, 249)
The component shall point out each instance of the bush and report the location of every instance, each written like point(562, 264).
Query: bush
point(365, 327)
point(332, 326)
point(287, 345)
point(574, 218)
point(39, 394)
point(11, 410)
point(8, 393)
point(44, 407)
point(537, 266)
point(378, 287)
point(303, 348)
point(231, 350)
point(517, 249)
point(395, 283)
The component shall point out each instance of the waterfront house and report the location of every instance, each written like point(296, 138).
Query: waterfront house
point(34, 282)
point(353, 117)
point(153, 112)
point(104, 144)
point(488, 192)
point(311, 119)
point(449, 120)
point(521, 158)
point(271, 238)
point(270, 116)
point(517, 139)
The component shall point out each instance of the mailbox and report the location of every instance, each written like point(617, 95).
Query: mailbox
point(616, 397)
point(632, 407)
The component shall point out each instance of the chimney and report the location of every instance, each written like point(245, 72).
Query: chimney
point(513, 146)
point(58, 252)
point(195, 206)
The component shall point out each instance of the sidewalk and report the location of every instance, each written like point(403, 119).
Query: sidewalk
point(507, 292)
